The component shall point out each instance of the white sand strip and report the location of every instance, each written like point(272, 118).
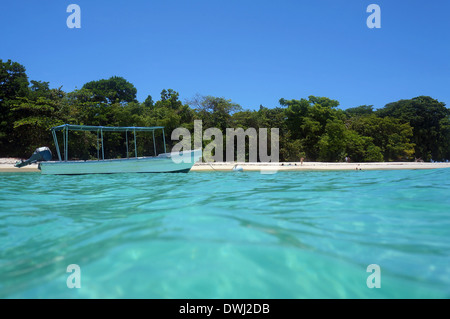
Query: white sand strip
point(316, 166)
point(7, 165)
point(9, 168)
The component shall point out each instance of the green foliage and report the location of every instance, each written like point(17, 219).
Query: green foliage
point(33, 118)
point(215, 111)
point(313, 128)
point(332, 143)
point(113, 90)
point(13, 81)
point(359, 110)
point(290, 149)
point(428, 118)
point(149, 101)
point(307, 121)
point(13, 85)
point(389, 134)
point(361, 148)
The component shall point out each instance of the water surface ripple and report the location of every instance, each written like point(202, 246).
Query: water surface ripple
point(226, 235)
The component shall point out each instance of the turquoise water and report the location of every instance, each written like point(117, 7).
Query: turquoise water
point(226, 235)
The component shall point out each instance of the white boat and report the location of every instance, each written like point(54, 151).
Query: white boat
point(160, 163)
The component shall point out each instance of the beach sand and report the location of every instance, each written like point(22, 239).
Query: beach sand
point(7, 166)
point(316, 166)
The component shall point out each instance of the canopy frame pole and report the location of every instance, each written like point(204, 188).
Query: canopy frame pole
point(98, 148)
point(154, 145)
point(164, 140)
point(103, 150)
point(66, 143)
point(126, 140)
point(55, 139)
point(135, 148)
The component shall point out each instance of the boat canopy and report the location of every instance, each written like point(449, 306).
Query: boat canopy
point(65, 128)
point(91, 128)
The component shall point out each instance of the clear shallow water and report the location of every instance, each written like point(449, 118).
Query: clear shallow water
point(226, 235)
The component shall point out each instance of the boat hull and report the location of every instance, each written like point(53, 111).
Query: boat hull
point(164, 163)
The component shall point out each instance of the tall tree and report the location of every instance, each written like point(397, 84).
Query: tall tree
point(13, 81)
point(13, 85)
point(427, 117)
point(113, 90)
point(215, 111)
point(391, 135)
point(306, 120)
point(359, 110)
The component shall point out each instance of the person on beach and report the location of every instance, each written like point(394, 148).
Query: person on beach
point(301, 161)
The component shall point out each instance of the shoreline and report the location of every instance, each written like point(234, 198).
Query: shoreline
point(316, 166)
point(7, 166)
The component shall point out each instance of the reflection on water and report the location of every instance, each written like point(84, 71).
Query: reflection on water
point(226, 235)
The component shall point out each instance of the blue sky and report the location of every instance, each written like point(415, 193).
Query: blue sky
point(250, 51)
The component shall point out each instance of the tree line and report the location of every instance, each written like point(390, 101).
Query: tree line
point(314, 128)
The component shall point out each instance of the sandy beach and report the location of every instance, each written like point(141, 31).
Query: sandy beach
point(7, 166)
point(316, 166)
